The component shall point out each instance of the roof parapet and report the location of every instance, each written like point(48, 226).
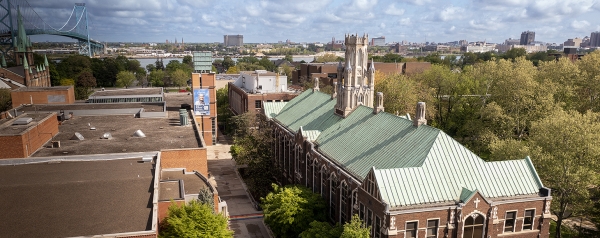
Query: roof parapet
point(420, 115)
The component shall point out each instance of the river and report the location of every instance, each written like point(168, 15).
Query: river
point(147, 61)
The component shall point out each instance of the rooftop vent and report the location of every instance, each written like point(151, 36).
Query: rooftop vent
point(106, 136)
point(23, 121)
point(77, 136)
point(146, 159)
point(139, 133)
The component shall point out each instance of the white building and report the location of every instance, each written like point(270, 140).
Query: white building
point(261, 81)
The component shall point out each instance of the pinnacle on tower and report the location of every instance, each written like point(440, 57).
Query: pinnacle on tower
point(25, 64)
point(45, 61)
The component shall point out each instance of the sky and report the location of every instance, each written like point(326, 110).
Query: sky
point(264, 21)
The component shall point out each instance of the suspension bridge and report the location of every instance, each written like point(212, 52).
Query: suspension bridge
point(15, 12)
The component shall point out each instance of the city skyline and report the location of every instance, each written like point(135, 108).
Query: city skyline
point(263, 21)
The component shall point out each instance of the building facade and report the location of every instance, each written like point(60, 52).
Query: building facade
point(595, 39)
point(252, 88)
point(527, 37)
point(233, 40)
point(402, 177)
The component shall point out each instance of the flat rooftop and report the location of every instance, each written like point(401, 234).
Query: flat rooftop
point(161, 133)
point(76, 198)
point(37, 89)
point(8, 129)
point(128, 92)
point(148, 106)
point(192, 184)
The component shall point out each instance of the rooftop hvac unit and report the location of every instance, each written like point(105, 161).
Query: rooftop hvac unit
point(139, 133)
point(146, 159)
point(106, 136)
point(77, 136)
point(23, 121)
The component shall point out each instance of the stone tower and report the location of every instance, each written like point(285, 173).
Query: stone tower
point(356, 82)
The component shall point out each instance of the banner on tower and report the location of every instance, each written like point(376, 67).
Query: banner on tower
point(201, 102)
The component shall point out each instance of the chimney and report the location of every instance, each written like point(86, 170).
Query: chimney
point(378, 104)
point(316, 88)
point(335, 88)
point(420, 115)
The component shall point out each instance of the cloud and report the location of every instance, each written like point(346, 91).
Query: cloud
point(405, 21)
point(392, 10)
point(451, 13)
point(580, 24)
point(417, 2)
point(382, 25)
point(451, 30)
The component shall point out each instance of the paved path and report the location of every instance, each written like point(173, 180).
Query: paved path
point(245, 221)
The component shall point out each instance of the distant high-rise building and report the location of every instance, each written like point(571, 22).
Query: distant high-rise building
point(233, 40)
point(575, 43)
point(595, 39)
point(511, 41)
point(527, 37)
point(378, 41)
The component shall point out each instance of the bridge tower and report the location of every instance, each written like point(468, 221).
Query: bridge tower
point(82, 27)
point(7, 31)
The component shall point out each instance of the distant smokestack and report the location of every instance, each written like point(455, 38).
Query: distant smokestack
point(316, 88)
point(420, 115)
point(378, 104)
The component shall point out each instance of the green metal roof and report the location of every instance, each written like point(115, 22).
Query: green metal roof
point(311, 135)
point(273, 108)
point(412, 165)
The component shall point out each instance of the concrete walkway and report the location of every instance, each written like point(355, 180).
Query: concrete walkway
point(245, 220)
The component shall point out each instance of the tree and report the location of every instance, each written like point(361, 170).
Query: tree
point(565, 147)
point(125, 79)
point(150, 67)
point(355, 229)
point(588, 87)
point(188, 60)
point(227, 63)
point(83, 86)
point(194, 220)
point(289, 58)
point(326, 58)
point(223, 112)
point(515, 53)
point(157, 77)
point(5, 99)
point(267, 64)
point(233, 70)
point(179, 77)
point(205, 196)
point(289, 210)
point(322, 229)
point(159, 64)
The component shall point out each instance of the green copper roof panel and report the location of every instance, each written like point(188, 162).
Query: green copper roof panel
point(450, 167)
point(364, 140)
point(311, 135)
point(309, 110)
point(273, 108)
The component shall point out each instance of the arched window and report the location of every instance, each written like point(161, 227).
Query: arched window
point(323, 181)
point(344, 192)
point(333, 186)
point(306, 168)
point(474, 226)
point(313, 177)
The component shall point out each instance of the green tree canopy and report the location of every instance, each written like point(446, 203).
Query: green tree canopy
point(289, 210)
point(322, 229)
point(125, 79)
point(5, 99)
point(156, 77)
point(194, 219)
point(179, 77)
point(329, 57)
point(355, 229)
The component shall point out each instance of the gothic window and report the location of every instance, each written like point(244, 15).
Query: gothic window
point(377, 227)
point(306, 168)
point(290, 158)
point(370, 219)
point(354, 201)
point(332, 196)
point(323, 181)
point(343, 202)
point(313, 176)
point(473, 227)
point(361, 212)
point(360, 100)
point(285, 154)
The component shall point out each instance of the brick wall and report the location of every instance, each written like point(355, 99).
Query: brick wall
point(41, 97)
point(190, 159)
point(28, 142)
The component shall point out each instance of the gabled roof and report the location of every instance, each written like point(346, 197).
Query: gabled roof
point(412, 165)
point(271, 109)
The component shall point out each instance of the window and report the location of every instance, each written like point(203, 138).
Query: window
point(370, 220)
point(473, 227)
point(323, 181)
point(411, 229)
point(509, 222)
point(332, 197)
point(343, 203)
point(432, 228)
point(257, 104)
point(361, 212)
point(377, 227)
point(528, 221)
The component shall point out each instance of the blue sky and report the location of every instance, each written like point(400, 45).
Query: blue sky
point(319, 20)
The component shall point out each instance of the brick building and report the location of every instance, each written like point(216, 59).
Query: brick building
point(252, 88)
point(42, 95)
point(402, 177)
point(22, 136)
point(205, 105)
point(328, 72)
